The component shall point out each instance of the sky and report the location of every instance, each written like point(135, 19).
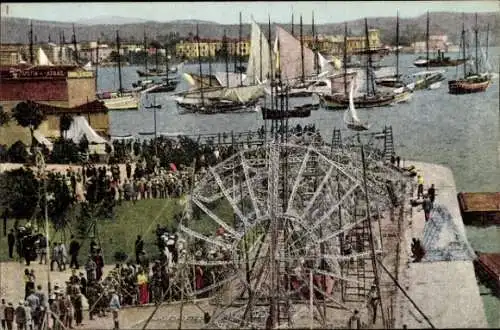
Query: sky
point(226, 12)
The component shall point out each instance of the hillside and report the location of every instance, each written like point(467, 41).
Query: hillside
point(15, 30)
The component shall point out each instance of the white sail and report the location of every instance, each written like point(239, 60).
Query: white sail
point(259, 56)
point(352, 109)
point(42, 58)
point(290, 56)
point(325, 65)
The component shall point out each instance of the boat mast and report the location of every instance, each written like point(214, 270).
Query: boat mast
point(73, 39)
point(260, 56)
point(32, 55)
point(119, 61)
point(64, 45)
point(226, 57)
point(271, 73)
point(167, 68)
point(302, 50)
point(293, 33)
point(96, 64)
point(60, 47)
point(209, 68)
point(463, 49)
point(156, 57)
point(397, 47)
point(427, 42)
point(476, 42)
point(199, 63)
point(145, 51)
point(345, 59)
point(487, 43)
point(240, 53)
point(369, 64)
point(315, 40)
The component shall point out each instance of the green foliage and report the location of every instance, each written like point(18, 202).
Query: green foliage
point(65, 123)
point(60, 203)
point(28, 114)
point(65, 152)
point(17, 153)
point(4, 116)
point(19, 192)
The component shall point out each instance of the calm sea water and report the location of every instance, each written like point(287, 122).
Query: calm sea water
point(459, 131)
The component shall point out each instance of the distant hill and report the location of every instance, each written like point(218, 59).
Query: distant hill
point(15, 30)
point(111, 20)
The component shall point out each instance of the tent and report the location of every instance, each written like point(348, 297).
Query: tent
point(79, 128)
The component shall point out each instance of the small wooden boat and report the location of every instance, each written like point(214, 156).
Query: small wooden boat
point(471, 84)
point(302, 111)
point(341, 101)
point(165, 87)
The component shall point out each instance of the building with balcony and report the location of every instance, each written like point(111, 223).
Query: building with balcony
point(62, 87)
point(211, 47)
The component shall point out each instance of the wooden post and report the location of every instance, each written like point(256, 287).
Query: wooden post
point(311, 311)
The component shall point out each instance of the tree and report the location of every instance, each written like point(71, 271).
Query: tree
point(65, 122)
point(4, 117)
point(28, 114)
point(19, 193)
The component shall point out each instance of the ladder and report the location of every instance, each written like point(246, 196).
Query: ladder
point(359, 269)
point(388, 143)
point(336, 138)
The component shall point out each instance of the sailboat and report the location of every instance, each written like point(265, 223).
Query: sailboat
point(297, 63)
point(472, 82)
point(440, 60)
point(218, 99)
point(426, 79)
point(371, 98)
point(120, 100)
point(395, 80)
point(155, 72)
point(351, 118)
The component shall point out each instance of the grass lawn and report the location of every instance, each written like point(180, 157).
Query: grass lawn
point(131, 219)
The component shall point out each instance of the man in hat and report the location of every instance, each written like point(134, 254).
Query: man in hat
point(29, 316)
point(2, 312)
point(373, 301)
point(9, 313)
point(114, 305)
point(91, 267)
point(21, 315)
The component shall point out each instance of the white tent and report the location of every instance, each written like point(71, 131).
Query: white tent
point(79, 128)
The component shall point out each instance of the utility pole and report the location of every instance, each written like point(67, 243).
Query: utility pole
point(75, 45)
point(154, 106)
point(32, 55)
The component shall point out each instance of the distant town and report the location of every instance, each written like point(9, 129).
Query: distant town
point(189, 48)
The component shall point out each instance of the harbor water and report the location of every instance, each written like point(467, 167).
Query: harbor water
point(459, 131)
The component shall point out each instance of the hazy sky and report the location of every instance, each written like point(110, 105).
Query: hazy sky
point(227, 12)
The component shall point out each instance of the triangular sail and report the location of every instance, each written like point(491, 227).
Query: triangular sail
point(259, 56)
point(352, 109)
point(42, 58)
point(290, 56)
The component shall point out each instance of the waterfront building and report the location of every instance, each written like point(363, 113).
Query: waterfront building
point(211, 47)
point(436, 42)
point(59, 89)
point(334, 44)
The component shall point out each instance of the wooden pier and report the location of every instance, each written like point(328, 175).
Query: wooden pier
point(480, 208)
